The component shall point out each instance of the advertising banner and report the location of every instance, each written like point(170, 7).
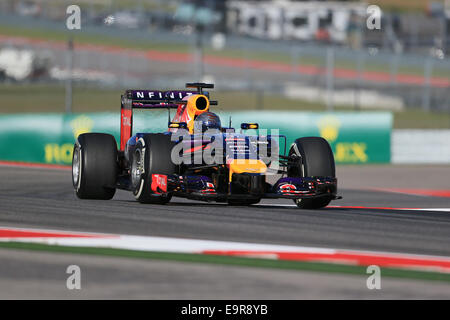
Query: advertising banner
point(363, 137)
point(355, 137)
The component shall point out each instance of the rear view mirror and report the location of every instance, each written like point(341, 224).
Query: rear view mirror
point(178, 125)
point(246, 126)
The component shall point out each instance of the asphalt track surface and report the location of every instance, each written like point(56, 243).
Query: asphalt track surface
point(44, 198)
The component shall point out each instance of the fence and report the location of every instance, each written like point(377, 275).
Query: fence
point(330, 75)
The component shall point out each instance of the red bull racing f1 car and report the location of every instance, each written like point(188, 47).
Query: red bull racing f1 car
point(198, 158)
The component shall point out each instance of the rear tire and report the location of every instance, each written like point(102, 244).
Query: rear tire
point(152, 155)
point(94, 166)
point(317, 161)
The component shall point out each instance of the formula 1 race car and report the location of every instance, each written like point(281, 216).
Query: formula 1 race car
point(198, 158)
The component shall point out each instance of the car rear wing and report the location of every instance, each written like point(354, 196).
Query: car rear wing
point(153, 99)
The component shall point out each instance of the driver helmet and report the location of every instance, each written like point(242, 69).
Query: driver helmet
point(205, 121)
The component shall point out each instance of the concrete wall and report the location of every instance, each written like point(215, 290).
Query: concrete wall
point(420, 146)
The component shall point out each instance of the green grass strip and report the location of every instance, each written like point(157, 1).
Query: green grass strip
point(229, 260)
point(51, 99)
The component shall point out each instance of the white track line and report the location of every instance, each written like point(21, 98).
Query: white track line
point(350, 207)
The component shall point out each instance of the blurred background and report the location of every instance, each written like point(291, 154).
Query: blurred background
point(261, 55)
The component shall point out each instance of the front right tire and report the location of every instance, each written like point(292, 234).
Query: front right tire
point(317, 160)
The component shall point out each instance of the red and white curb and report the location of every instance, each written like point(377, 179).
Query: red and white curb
point(416, 192)
point(241, 249)
point(35, 165)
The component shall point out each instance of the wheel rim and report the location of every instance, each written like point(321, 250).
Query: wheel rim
point(76, 167)
point(137, 169)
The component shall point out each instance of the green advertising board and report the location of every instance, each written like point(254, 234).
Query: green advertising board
point(362, 137)
point(49, 138)
point(26, 137)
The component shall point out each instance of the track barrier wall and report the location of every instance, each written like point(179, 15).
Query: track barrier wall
point(363, 137)
point(420, 146)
